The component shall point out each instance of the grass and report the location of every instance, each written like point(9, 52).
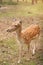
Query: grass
point(11, 42)
point(19, 10)
point(9, 3)
point(22, 9)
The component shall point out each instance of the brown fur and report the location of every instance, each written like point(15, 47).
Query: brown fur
point(29, 33)
point(25, 36)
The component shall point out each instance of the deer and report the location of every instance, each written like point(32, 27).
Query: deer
point(25, 36)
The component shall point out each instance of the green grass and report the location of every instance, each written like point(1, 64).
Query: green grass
point(21, 10)
point(9, 3)
point(28, 63)
point(11, 42)
point(32, 63)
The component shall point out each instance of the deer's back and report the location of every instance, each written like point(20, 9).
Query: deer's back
point(30, 32)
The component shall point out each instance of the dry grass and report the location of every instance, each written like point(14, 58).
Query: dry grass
point(9, 47)
point(29, 14)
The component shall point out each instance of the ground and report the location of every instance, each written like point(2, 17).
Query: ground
point(8, 44)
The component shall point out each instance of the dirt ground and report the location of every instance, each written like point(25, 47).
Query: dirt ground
point(8, 56)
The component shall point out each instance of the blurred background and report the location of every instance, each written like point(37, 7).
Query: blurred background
point(29, 12)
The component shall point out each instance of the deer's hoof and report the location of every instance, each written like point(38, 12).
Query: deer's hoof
point(18, 61)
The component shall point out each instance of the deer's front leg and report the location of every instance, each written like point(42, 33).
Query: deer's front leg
point(20, 52)
point(34, 49)
point(28, 52)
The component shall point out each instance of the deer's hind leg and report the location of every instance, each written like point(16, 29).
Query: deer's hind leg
point(28, 52)
point(35, 44)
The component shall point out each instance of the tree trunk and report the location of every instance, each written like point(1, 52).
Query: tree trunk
point(42, 0)
point(35, 1)
point(1, 1)
point(23, 0)
point(32, 1)
point(17, 0)
point(26, 0)
point(10, 0)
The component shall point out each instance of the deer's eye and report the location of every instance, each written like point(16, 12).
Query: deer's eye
point(20, 21)
point(15, 25)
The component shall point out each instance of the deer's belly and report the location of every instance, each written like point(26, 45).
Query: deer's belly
point(29, 36)
point(26, 39)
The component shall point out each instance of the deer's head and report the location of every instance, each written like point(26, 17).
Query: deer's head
point(14, 26)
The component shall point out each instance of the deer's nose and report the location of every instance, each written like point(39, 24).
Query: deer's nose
point(8, 30)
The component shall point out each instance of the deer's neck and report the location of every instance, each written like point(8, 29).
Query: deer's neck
point(18, 32)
